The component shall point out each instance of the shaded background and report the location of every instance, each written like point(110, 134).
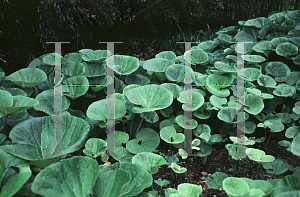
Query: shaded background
point(25, 25)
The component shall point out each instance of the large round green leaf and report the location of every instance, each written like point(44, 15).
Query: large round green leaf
point(285, 25)
point(74, 88)
point(71, 177)
point(295, 14)
point(225, 39)
point(198, 56)
point(259, 22)
point(197, 100)
point(170, 55)
point(279, 14)
point(254, 59)
point(295, 147)
point(205, 150)
point(226, 67)
point(180, 120)
point(215, 180)
point(242, 141)
point(50, 58)
point(177, 73)
point(266, 81)
point(150, 97)
point(227, 30)
point(158, 65)
point(95, 56)
point(72, 69)
point(204, 111)
point(173, 88)
point(27, 77)
point(105, 185)
point(14, 104)
point(259, 155)
point(286, 49)
point(34, 140)
point(264, 47)
point(215, 83)
point(201, 130)
point(295, 41)
point(277, 41)
point(276, 167)
point(296, 60)
point(207, 45)
point(147, 140)
point(94, 69)
point(284, 90)
point(82, 51)
point(46, 102)
point(252, 74)
point(151, 117)
point(169, 135)
point(184, 189)
point(227, 114)
point(124, 65)
point(98, 110)
point(253, 104)
point(16, 180)
point(39, 63)
point(94, 147)
point(149, 161)
point(247, 34)
point(217, 101)
point(279, 70)
point(292, 131)
point(115, 141)
point(73, 57)
point(235, 186)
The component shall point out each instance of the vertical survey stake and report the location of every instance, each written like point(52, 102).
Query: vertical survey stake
point(57, 100)
point(110, 101)
point(240, 96)
point(188, 102)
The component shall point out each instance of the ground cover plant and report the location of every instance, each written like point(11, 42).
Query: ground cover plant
point(149, 115)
